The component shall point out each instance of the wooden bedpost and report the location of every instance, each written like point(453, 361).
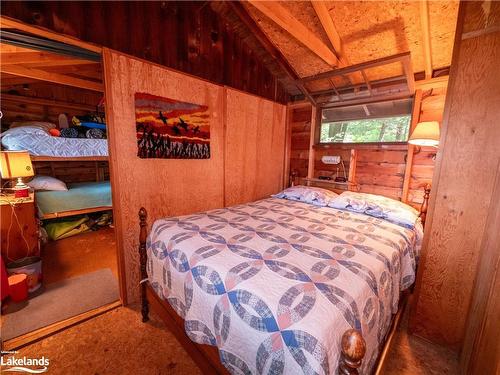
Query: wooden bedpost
point(353, 348)
point(425, 203)
point(143, 235)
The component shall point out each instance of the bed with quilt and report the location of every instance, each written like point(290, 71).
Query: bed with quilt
point(275, 283)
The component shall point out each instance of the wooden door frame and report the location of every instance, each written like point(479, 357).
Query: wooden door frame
point(7, 22)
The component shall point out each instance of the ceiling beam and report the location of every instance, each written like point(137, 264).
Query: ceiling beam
point(40, 59)
point(282, 17)
point(357, 67)
point(62, 79)
point(47, 102)
point(426, 38)
point(330, 30)
point(250, 23)
point(433, 83)
point(10, 23)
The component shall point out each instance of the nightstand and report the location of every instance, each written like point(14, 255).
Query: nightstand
point(13, 246)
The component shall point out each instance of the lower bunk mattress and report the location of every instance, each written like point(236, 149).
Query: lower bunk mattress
point(275, 283)
point(82, 196)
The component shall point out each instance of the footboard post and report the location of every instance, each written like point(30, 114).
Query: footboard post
point(143, 215)
point(353, 348)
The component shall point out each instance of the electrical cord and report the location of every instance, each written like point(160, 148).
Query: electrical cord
point(12, 216)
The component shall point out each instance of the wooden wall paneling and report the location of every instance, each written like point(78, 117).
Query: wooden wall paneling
point(255, 147)
point(165, 187)
point(188, 36)
point(463, 186)
point(415, 118)
point(481, 350)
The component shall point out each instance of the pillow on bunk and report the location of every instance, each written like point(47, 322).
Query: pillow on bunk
point(47, 183)
point(34, 124)
point(307, 194)
point(378, 206)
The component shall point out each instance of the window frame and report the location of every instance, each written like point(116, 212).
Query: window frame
point(318, 143)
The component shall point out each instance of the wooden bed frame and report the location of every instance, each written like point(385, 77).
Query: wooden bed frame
point(352, 345)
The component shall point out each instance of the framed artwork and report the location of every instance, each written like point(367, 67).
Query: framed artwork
point(170, 129)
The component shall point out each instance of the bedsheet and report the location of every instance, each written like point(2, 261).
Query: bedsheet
point(40, 143)
point(275, 283)
point(78, 196)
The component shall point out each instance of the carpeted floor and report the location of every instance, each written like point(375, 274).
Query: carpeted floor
point(118, 343)
point(58, 301)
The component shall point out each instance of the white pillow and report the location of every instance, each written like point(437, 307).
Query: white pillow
point(378, 206)
point(47, 183)
point(307, 194)
point(44, 125)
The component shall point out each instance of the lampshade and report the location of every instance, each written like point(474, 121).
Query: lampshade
point(425, 134)
point(15, 164)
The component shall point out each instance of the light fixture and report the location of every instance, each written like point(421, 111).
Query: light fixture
point(334, 159)
point(17, 164)
point(425, 134)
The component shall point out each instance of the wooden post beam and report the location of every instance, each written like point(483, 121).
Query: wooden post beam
point(315, 117)
point(282, 17)
point(426, 38)
point(415, 117)
point(62, 79)
point(352, 169)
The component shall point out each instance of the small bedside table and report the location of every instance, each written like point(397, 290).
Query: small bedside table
point(13, 246)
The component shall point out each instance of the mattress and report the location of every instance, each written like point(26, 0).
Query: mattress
point(257, 279)
point(39, 143)
point(79, 196)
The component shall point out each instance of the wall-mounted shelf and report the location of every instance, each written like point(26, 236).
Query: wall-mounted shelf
point(348, 184)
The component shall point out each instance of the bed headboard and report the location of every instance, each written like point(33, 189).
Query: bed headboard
point(294, 180)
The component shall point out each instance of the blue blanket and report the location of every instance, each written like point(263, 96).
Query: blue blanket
point(78, 197)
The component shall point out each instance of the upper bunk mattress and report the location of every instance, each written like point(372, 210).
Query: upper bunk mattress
point(40, 143)
point(79, 196)
point(275, 283)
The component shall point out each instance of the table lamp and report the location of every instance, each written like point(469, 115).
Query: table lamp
point(425, 134)
point(17, 164)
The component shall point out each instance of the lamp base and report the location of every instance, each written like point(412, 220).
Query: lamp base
point(21, 193)
point(21, 190)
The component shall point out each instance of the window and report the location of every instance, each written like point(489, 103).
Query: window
point(370, 123)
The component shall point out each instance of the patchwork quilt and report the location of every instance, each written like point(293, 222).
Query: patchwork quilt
point(275, 283)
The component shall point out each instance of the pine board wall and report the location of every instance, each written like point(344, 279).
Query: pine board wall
point(379, 169)
point(176, 187)
point(463, 189)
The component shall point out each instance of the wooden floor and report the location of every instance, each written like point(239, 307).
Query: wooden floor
point(78, 255)
point(117, 342)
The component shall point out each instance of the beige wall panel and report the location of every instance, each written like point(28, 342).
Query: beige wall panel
point(255, 146)
point(165, 187)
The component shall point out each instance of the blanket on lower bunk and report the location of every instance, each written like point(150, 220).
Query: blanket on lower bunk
point(79, 196)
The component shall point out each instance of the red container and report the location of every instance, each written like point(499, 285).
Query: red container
point(18, 287)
